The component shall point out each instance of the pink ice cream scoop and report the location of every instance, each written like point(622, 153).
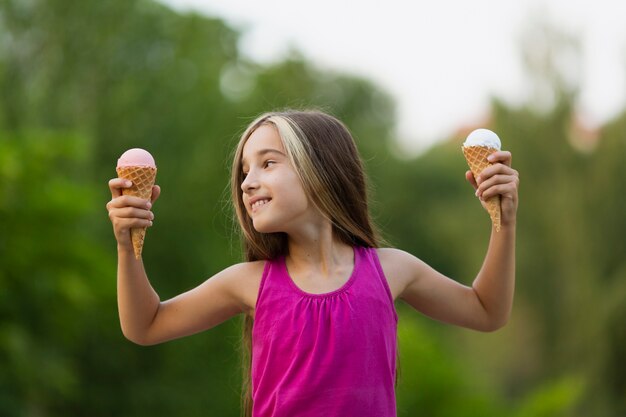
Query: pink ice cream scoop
point(136, 157)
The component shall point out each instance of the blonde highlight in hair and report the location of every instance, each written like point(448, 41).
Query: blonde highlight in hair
point(326, 160)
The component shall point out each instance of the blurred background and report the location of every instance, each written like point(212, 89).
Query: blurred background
point(81, 82)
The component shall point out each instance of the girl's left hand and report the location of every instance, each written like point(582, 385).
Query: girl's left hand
point(498, 179)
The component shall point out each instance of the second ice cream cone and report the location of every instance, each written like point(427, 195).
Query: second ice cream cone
point(142, 178)
point(476, 157)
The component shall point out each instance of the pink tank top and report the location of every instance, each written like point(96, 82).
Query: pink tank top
point(325, 355)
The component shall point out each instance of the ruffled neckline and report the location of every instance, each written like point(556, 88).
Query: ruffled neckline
point(342, 289)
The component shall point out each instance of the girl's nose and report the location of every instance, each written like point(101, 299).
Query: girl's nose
point(249, 183)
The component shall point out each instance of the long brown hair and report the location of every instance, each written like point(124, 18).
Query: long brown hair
point(325, 158)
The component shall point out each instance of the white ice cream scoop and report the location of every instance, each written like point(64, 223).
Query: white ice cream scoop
point(483, 137)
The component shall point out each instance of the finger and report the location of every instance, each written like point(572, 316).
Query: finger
point(503, 157)
point(495, 169)
point(508, 189)
point(495, 180)
point(116, 185)
point(470, 178)
point(498, 176)
point(128, 201)
point(122, 223)
point(132, 213)
point(156, 192)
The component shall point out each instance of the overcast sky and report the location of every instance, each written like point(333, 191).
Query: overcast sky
point(441, 60)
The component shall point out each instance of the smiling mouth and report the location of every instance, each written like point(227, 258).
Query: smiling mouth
point(258, 204)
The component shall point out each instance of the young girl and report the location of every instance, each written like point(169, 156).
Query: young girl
point(316, 290)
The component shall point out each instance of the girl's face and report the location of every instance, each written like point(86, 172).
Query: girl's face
point(272, 193)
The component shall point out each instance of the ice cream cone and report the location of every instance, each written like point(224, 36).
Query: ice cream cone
point(476, 157)
point(142, 178)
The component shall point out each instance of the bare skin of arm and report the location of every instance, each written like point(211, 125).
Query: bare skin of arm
point(145, 319)
point(486, 304)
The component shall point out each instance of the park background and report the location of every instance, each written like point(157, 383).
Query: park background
point(80, 82)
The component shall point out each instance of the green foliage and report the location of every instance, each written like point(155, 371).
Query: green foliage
point(435, 382)
point(54, 275)
point(552, 399)
point(80, 82)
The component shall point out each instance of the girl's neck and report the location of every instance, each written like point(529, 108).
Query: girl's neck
point(318, 251)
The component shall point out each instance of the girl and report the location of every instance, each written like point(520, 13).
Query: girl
point(316, 290)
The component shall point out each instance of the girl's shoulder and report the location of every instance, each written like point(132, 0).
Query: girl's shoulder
point(397, 266)
point(245, 282)
point(396, 261)
point(252, 266)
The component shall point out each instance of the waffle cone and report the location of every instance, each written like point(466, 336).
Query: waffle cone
point(476, 157)
point(142, 178)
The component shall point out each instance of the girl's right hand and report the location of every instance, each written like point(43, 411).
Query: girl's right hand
point(127, 212)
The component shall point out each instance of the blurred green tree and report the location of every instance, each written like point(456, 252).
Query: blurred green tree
point(55, 282)
point(82, 82)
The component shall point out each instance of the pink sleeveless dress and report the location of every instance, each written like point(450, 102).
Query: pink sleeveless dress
point(325, 355)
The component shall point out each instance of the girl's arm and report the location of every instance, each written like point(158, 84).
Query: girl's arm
point(144, 318)
point(486, 305)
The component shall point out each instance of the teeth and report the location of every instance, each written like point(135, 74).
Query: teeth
point(259, 203)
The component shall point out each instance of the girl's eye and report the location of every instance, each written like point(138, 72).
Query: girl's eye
point(269, 162)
